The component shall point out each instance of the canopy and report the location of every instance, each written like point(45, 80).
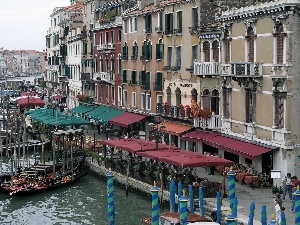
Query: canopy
point(30, 101)
point(135, 145)
point(185, 159)
point(82, 109)
point(126, 119)
point(174, 128)
point(197, 136)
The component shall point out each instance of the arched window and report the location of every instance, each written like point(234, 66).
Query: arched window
point(205, 100)
point(250, 39)
point(169, 95)
point(194, 94)
point(206, 50)
point(178, 96)
point(214, 105)
point(215, 50)
point(280, 39)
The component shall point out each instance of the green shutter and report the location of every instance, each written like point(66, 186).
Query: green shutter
point(144, 51)
point(158, 82)
point(124, 77)
point(142, 78)
point(158, 51)
point(147, 83)
point(133, 77)
point(67, 71)
point(150, 52)
point(147, 52)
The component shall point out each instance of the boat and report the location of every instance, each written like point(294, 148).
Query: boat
point(173, 218)
point(33, 182)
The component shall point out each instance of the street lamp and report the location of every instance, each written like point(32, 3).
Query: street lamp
point(158, 130)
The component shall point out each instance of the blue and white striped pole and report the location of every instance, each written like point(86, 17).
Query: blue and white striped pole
point(231, 220)
point(155, 205)
point(172, 196)
point(283, 219)
point(231, 186)
point(201, 203)
point(251, 213)
point(218, 207)
point(183, 209)
point(110, 198)
point(234, 207)
point(297, 206)
point(191, 198)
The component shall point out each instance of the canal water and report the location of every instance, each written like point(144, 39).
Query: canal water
point(85, 202)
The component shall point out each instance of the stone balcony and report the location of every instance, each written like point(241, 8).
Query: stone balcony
point(207, 68)
point(242, 69)
point(212, 123)
point(117, 21)
point(105, 77)
point(180, 111)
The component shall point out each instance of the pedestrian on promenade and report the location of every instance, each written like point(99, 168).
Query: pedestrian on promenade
point(277, 212)
point(279, 201)
point(287, 186)
point(295, 183)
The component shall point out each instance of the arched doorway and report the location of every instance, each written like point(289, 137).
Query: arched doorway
point(178, 96)
point(169, 95)
point(194, 94)
point(215, 102)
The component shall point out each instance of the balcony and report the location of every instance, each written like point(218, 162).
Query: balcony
point(167, 68)
point(52, 67)
point(105, 77)
point(134, 57)
point(180, 111)
point(242, 69)
point(280, 70)
point(206, 68)
point(106, 46)
point(193, 30)
point(212, 123)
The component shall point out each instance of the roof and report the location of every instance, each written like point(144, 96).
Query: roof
point(126, 119)
point(174, 128)
point(82, 109)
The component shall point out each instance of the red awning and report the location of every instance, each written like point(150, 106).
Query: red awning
point(31, 101)
point(135, 145)
point(184, 158)
point(186, 161)
point(245, 149)
point(197, 136)
point(126, 119)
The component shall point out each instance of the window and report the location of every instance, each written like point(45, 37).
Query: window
point(119, 35)
point(143, 101)
point(179, 22)
point(158, 82)
point(226, 102)
point(134, 51)
point(168, 23)
point(148, 101)
point(124, 76)
point(250, 39)
point(119, 63)
point(194, 53)
point(215, 51)
point(133, 99)
point(206, 51)
point(159, 99)
point(148, 24)
point(250, 105)
point(112, 37)
point(131, 25)
point(133, 77)
point(178, 96)
point(280, 41)
point(120, 96)
point(106, 38)
point(169, 56)
point(147, 50)
point(160, 50)
point(169, 95)
point(195, 18)
point(160, 22)
point(214, 105)
point(205, 103)
point(125, 52)
point(135, 24)
point(226, 41)
point(279, 109)
point(178, 57)
point(125, 26)
point(113, 93)
point(125, 98)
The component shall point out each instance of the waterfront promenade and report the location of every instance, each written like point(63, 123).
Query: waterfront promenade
point(244, 193)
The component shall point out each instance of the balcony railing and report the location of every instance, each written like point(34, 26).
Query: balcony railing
point(117, 21)
point(52, 67)
point(213, 122)
point(103, 76)
point(242, 69)
point(206, 68)
point(280, 70)
point(180, 111)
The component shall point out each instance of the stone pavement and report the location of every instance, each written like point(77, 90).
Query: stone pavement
point(244, 193)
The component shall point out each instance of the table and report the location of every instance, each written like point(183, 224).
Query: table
point(250, 179)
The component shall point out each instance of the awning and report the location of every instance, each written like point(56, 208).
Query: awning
point(197, 136)
point(95, 113)
point(25, 102)
point(126, 119)
point(109, 114)
point(174, 128)
point(135, 145)
point(245, 149)
point(185, 159)
point(82, 109)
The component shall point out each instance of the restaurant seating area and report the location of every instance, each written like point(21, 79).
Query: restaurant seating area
point(246, 175)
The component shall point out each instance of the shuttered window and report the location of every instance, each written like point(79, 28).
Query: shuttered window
point(205, 100)
point(280, 39)
point(159, 51)
point(158, 82)
point(250, 105)
point(142, 77)
point(125, 52)
point(133, 77)
point(124, 76)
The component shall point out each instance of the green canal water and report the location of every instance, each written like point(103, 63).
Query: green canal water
point(85, 202)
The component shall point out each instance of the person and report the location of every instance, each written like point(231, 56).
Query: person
point(287, 186)
point(279, 201)
point(295, 183)
point(277, 212)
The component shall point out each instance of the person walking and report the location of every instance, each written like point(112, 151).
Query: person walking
point(287, 186)
point(277, 212)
